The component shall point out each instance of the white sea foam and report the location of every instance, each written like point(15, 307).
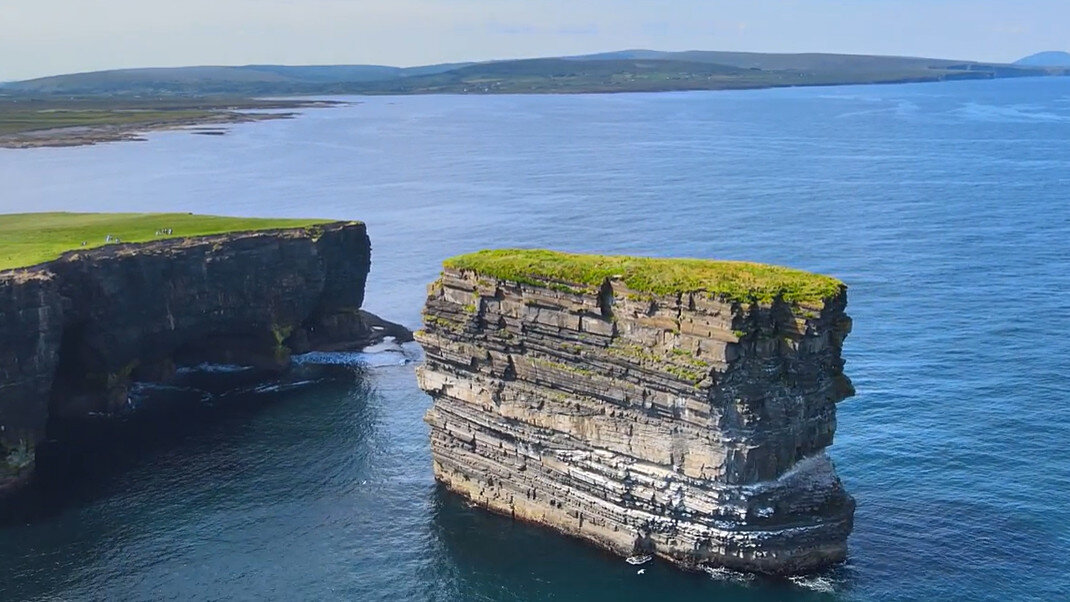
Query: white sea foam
point(817, 583)
point(1008, 114)
point(387, 353)
point(213, 368)
point(720, 573)
point(143, 387)
point(276, 387)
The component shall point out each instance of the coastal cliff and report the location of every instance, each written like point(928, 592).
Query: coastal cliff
point(79, 330)
point(678, 408)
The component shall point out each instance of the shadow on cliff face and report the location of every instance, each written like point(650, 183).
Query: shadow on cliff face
point(83, 453)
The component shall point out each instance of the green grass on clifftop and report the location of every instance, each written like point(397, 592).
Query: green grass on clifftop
point(28, 239)
point(736, 280)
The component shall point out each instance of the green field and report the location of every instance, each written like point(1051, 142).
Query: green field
point(28, 239)
point(736, 280)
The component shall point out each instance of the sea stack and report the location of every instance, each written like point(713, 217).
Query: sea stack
point(672, 407)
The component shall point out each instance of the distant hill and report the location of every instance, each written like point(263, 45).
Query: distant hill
point(810, 62)
point(1051, 58)
point(219, 79)
point(623, 71)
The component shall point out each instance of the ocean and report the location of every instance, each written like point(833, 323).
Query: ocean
point(944, 207)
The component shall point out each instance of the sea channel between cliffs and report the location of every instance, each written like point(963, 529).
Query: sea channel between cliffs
point(677, 408)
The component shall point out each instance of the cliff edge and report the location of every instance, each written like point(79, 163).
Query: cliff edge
point(678, 408)
point(78, 330)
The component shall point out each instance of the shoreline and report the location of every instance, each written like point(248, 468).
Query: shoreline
point(213, 121)
point(92, 135)
point(217, 118)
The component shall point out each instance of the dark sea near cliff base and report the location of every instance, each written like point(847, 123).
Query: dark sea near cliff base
point(945, 207)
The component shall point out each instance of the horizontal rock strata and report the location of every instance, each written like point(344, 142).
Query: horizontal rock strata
point(686, 425)
point(77, 331)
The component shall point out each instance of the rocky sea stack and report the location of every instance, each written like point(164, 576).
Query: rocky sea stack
point(80, 328)
point(672, 407)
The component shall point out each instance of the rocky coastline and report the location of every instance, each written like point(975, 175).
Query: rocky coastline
point(671, 421)
point(80, 331)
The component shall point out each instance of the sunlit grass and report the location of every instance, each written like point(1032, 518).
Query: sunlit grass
point(31, 238)
point(736, 280)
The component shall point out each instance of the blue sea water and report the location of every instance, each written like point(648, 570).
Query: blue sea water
point(945, 207)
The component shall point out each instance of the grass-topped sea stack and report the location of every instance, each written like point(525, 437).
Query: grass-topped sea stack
point(675, 407)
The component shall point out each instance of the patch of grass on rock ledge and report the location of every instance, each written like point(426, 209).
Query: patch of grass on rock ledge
point(736, 280)
point(28, 239)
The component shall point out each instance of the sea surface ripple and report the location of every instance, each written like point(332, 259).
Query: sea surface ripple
point(945, 207)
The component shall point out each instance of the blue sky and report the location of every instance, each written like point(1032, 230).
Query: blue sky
point(43, 37)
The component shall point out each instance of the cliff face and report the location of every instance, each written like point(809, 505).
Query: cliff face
point(78, 330)
point(686, 425)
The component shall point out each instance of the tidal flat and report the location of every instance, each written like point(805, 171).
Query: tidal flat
point(33, 123)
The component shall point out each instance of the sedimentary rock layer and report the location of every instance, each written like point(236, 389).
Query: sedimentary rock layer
point(691, 425)
point(76, 331)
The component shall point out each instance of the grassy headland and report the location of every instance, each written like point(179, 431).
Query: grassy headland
point(28, 239)
point(736, 280)
point(624, 71)
point(686, 71)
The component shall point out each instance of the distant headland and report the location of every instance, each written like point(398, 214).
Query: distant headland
point(1051, 58)
point(84, 108)
point(621, 71)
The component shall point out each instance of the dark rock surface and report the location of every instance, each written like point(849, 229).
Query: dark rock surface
point(78, 331)
point(685, 426)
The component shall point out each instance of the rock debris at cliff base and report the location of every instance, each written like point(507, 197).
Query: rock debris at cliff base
point(688, 424)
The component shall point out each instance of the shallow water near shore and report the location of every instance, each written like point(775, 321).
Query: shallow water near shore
point(945, 208)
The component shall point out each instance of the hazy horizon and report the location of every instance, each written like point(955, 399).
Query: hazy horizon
point(52, 37)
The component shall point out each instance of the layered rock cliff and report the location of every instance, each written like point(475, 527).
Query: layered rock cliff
point(632, 404)
point(77, 331)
